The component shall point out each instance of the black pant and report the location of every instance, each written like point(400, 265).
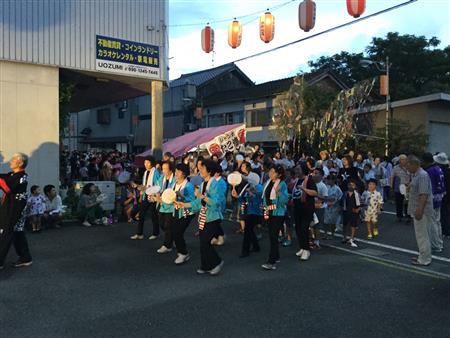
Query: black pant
point(251, 221)
point(208, 254)
point(19, 240)
point(179, 226)
point(400, 205)
point(275, 224)
point(303, 218)
point(145, 206)
point(166, 221)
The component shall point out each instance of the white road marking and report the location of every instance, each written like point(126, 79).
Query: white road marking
point(395, 248)
point(411, 268)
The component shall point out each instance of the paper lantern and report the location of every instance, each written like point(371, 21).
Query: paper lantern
point(199, 113)
point(234, 34)
point(307, 15)
point(208, 39)
point(384, 85)
point(267, 27)
point(356, 7)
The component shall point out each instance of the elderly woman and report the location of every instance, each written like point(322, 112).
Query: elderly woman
point(89, 209)
point(12, 215)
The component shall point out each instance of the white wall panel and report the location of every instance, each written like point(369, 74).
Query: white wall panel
point(62, 32)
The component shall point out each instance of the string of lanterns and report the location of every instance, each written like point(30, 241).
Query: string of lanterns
point(306, 21)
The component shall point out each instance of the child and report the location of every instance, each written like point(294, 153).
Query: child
point(352, 207)
point(36, 208)
point(333, 213)
point(131, 201)
point(373, 202)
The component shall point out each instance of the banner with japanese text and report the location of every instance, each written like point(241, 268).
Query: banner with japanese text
point(127, 57)
point(227, 142)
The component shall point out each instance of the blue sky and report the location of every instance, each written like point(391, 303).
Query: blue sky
point(424, 17)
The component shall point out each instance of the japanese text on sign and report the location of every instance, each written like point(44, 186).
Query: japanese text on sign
point(127, 57)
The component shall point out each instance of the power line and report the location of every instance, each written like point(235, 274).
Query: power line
point(230, 19)
point(326, 31)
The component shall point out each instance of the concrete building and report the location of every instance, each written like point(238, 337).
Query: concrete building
point(432, 112)
point(256, 105)
point(129, 126)
point(108, 50)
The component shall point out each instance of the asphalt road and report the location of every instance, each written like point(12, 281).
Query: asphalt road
point(95, 282)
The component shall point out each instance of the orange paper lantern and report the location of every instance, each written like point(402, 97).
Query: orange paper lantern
point(384, 85)
point(207, 39)
point(307, 15)
point(356, 7)
point(234, 34)
point(267, 27)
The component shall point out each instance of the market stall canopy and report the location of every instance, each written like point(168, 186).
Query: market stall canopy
point(217, 140)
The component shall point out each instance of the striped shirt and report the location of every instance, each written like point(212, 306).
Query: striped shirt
point(420, 185)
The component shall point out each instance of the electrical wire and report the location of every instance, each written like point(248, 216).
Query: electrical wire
point(231, 19)
point(326, 31)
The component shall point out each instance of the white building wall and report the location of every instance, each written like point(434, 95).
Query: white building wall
point(63, 32)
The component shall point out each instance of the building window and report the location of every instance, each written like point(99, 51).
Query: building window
point(216, 120)
point(259, 117)
point(104, 116)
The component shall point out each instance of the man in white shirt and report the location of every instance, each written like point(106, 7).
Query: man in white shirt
point(53, 208)
point(150, 179)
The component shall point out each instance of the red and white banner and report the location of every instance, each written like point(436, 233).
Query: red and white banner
point(227, 142)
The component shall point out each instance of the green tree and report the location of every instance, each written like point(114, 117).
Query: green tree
point(417, 65)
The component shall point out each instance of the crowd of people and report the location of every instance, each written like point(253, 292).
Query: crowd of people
point(283, 193)
point(315, 198)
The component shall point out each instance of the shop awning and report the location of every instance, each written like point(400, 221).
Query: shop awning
point(197, 139)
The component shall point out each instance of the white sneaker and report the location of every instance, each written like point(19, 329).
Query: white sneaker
point(214, 241)
point(163, 250)
point(137, 237)
point(299, 253)
point(220, 240)
point(353, 244)
point(305, 255)
point(153, 237)
point(217, 269)
point(182, 259)
point(105, 220)
point(269, 266)
point(87, 224)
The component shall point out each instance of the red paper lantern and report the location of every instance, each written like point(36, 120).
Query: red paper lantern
point(234, 34)
point(267, 27)
point(207, 39)
point(356, 7)
point(307, 15)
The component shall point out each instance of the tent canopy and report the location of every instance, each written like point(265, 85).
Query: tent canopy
point(184, 143)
